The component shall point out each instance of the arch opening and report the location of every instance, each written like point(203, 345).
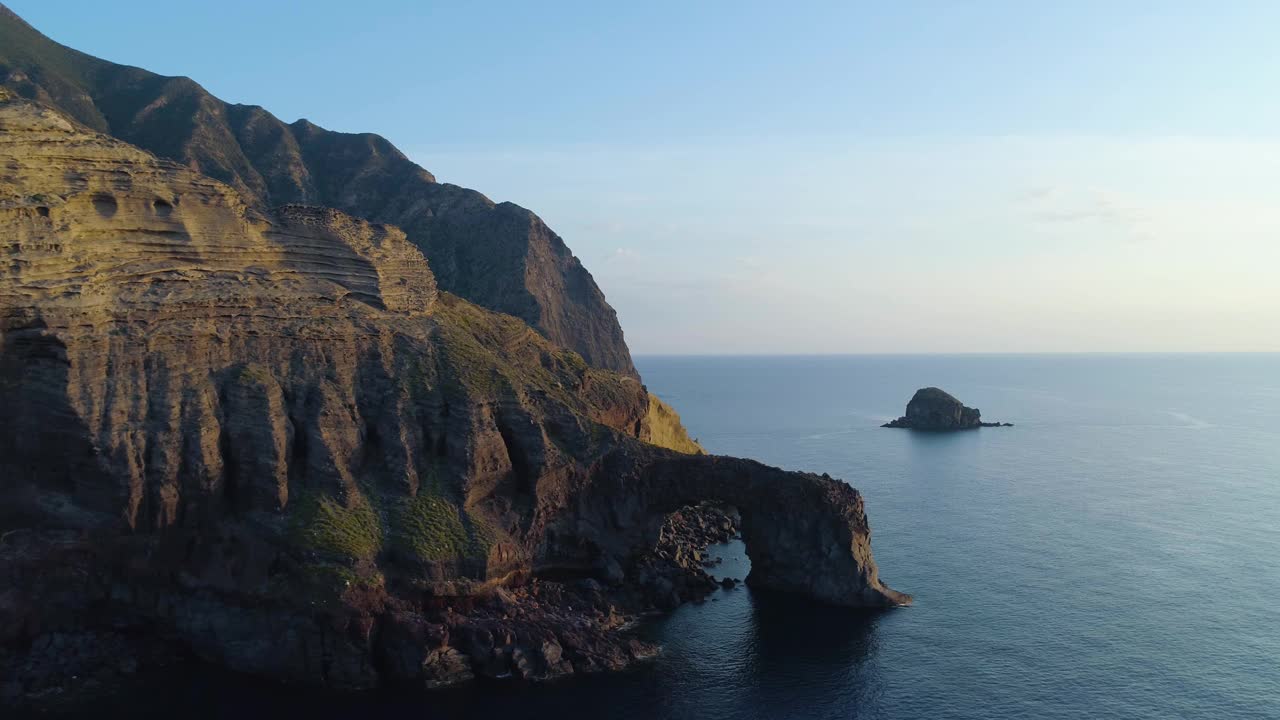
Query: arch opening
point(802, 533)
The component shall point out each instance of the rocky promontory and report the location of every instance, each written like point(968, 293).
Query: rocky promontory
point(269, 439)
point(935, 410)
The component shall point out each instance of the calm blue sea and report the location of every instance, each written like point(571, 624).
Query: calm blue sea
point(1114, 555)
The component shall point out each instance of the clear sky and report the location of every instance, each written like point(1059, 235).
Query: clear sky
point(811, 177)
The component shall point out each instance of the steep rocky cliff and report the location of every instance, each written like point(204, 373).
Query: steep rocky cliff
point(500, 256)
point(266, 437)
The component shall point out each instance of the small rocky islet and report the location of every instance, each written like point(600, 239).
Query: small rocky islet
point(934, 410)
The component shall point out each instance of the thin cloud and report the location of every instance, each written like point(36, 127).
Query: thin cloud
point(1058, 206)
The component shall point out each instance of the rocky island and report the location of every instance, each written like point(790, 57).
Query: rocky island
point(274, 397)
point(935, 410)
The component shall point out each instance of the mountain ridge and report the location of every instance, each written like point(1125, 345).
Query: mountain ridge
point(268, 436)
point(499, 255)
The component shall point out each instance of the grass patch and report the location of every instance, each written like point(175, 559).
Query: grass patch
point(429, 526)
point(254, 373)
point(350, 530)
point(491, 353)
point(664, 429)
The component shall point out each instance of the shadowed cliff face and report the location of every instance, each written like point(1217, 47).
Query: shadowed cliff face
point(805, 534)
point(500, 256)
point(268, 436)
point(215, 358)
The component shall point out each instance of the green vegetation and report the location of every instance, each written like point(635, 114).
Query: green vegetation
point(350, 530)
point(491, 352)
point(574, 361)
point(253, 372)
point(346, 536)
point(664, 429)
point(430, 527)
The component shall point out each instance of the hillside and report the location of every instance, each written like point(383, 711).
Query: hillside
point(267, 438)
point(497, 255)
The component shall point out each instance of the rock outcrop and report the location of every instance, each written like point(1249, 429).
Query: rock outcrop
point(268, 438)
point(935, 410)
point(497, 255)
point(805, 534)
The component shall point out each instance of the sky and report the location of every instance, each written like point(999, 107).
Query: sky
point(825, 177)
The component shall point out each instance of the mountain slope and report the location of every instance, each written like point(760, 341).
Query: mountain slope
point(500, 256)
point(267, 438)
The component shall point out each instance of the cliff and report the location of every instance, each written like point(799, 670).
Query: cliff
point(268, 438)
point(497, 255)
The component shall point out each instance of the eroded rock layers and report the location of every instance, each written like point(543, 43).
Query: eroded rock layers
point(498, 255)
point(268, 438)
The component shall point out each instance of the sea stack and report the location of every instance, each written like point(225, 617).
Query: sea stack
point(935, 410)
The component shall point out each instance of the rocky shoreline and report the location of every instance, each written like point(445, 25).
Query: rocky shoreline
point(534, 630)
point(269, 437)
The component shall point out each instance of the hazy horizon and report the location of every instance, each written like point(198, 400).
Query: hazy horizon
point(835, 179)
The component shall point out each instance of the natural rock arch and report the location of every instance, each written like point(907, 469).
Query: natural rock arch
point(805, 534)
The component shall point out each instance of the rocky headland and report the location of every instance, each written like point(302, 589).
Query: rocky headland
point(934, 410)
point(271, 429)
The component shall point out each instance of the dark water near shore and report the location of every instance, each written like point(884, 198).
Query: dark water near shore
point(1114, 555)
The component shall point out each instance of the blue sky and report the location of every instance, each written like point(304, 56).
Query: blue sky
point(812, 177)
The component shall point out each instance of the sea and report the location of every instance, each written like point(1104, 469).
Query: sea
point(1115, 554)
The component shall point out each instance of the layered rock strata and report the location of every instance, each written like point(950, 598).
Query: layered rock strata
point(267, 438)
point(497, 255)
